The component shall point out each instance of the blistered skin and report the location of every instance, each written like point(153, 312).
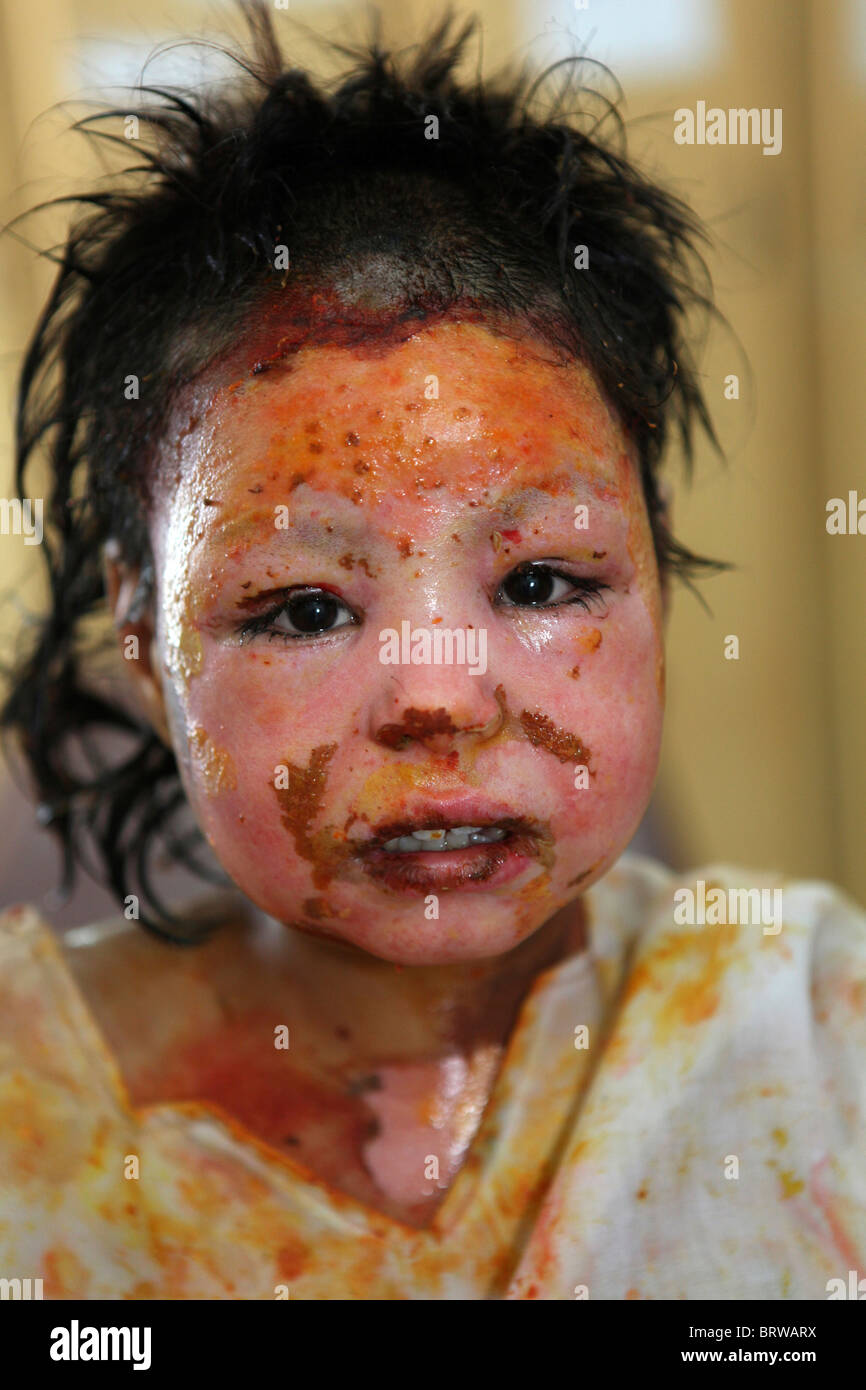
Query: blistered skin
point(408, 483)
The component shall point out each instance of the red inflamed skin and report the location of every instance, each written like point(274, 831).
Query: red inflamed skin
point(310, 507)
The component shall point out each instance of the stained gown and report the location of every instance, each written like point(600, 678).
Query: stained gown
point(680, 1113)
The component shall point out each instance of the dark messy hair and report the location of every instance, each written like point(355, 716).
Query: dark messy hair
point(158, 269)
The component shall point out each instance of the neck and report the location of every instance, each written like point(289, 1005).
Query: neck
point(426, 1010)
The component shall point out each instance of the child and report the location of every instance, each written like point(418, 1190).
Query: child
point(354, 403)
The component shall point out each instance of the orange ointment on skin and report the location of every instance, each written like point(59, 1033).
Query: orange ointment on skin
point(345, 440)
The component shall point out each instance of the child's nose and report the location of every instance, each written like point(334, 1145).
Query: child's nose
point(440, 709)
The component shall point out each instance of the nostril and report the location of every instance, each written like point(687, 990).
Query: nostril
point(418, 725)
point(393, 736)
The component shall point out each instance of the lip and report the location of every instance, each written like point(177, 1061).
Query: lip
point(447, 812)
point(477, 868)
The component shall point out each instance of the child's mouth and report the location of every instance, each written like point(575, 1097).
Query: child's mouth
point(435, 854)
point(439, 840)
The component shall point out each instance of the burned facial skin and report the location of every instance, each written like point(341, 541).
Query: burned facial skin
point(465, 434)
point(543, 733)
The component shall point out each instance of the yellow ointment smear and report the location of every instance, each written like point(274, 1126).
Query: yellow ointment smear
point(215, 764)
point(188, 653)
point(184, 651)
point(189, 523)
point(397, 779)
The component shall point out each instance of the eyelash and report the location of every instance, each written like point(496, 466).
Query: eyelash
point(588, 592)
point(261, 625)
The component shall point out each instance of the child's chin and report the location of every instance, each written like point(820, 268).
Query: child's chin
point(456, 938)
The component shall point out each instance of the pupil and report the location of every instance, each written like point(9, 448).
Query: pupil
point(529, 586)
point(313, 612)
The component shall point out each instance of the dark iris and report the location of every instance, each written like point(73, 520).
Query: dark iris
point(312, 612)
point(529, 584)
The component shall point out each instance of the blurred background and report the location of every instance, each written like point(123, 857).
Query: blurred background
point(764, 762)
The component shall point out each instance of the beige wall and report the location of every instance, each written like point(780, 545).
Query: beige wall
point(765, 758)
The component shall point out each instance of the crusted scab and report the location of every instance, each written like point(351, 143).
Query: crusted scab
point(300, 803)
point(543, 733)
point(590, 641)
point(415, 726)
point(348, 561)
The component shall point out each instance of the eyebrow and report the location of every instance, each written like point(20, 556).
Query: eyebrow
point(333, 532)
point(302, 528)
point(526, 501)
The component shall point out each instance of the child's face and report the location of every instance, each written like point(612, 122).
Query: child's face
point(406, 485)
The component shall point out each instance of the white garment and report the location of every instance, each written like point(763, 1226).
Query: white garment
point(709, 1142)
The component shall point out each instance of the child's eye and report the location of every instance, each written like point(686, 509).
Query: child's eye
point(537, 585)
point(307, 612)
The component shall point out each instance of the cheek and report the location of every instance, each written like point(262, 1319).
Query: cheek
point(600, 699)
point(621, 687)
point(236, 726)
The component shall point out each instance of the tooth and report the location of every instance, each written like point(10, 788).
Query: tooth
point(400, 843)
point(438, 841)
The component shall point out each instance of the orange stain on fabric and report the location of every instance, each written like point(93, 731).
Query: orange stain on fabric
point(291, 1259)
point(684, 977)
point(790, 1185)
point(63, 1273)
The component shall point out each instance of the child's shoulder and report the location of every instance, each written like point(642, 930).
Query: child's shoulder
point(28, 952)
point(647, 892)
point(756, 929)
point(63, 983)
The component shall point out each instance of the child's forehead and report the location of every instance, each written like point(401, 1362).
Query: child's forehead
point(452, 404)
